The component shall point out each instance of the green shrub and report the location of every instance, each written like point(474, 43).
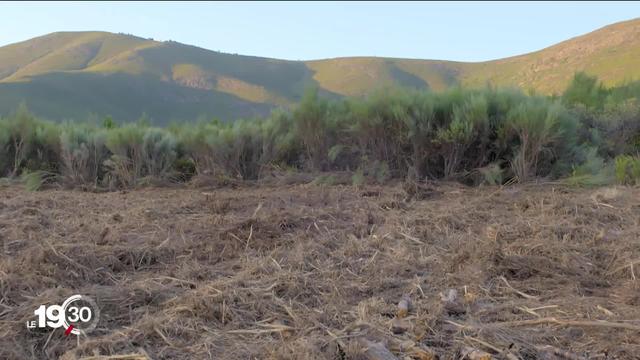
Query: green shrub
point(627, 169)
point(382, 172)
point(487, 135)
point(469, 123)
point(419, 119)
point(310, 126)
point(492, 174)
point(537, 129)
point(83, 151)
point(5, 144)
point(20, 131)
point(380, 126)
point(185, 169)
point(335, 152)
point(125, 166)
point(358, 178)
point(34, 180)
point(280, 145)
point(108, 123)
point(592, 170)
point(158, 152)
point(192, 145)
point(328, 180)
point(585, 90)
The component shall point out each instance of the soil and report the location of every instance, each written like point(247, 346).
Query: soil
point(326, 272)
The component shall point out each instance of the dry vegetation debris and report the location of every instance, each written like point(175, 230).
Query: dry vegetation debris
point(327, 272)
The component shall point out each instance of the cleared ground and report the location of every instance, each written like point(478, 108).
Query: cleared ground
point(313, 272)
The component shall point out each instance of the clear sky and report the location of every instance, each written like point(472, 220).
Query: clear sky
point(471, 31)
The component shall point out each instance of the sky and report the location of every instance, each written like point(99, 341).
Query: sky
point(464, 31)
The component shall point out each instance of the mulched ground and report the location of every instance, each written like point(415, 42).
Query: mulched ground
point(318, 272)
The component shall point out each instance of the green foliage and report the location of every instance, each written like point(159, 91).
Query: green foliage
point(241, 148)
point(381, 172)
point(5, 144)
point(469, 121)
point(27, 143)
point(492, 136)
point(328, 180)
point(108, 122)
point(83, 151)
point(35, 180)
point(335, 151)
point(537, 130)
point(20, 129)
point(586, 90)
point(592, 170)
point(358, 178)
point(627, 169)
point(125, 166)
point(280, 144)
point(492, 174)
point(185, 169)
point(158, 152)
point(378, 126)
point(311, 127)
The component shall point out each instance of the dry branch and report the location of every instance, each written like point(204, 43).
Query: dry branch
point(526, 296)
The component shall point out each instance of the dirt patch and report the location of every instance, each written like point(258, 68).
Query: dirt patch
point(317, 272)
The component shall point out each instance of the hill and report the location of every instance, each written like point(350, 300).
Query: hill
point(69, 75)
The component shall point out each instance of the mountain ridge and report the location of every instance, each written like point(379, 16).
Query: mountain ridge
point(127, 70)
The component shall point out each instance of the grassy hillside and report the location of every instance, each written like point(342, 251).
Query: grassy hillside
point(72, 74)
point(611, 53)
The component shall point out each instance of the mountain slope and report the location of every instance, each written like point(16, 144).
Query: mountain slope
point(71, 74)
point(612, 53)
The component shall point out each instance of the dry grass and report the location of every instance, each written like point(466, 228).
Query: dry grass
point(314, 272)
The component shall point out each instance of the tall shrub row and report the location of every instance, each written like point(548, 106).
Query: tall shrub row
point(503, 134)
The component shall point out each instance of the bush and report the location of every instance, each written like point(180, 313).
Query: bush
point(125, 166)
point(192, 145)
point(20, 133)
point(484, 136)
point(592, 170)
point(83, 152)
point(328, 180)
point(491, 175)
point(185, 169)
point(5, 144)
point(358, 178)
point(33, 181)
point(280, 144)
point(585, 90)
point(469, 123)
point(627, 169)
point(158, 153)
point(378, 129)
point(311, 127)
point(536, 129)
